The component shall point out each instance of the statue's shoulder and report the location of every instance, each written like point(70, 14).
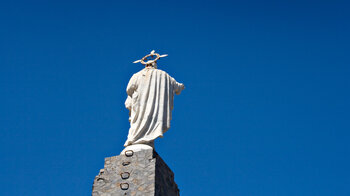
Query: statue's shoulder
point(143, 71)
point(138, 73)
point(161, 71)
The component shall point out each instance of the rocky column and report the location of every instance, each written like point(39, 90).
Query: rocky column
point(141, 173)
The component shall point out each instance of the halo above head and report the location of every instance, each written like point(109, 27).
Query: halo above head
point(145, 60)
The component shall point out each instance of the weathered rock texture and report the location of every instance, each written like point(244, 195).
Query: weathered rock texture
point(141, 173)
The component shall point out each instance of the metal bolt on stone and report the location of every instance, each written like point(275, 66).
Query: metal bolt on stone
point(125, 175)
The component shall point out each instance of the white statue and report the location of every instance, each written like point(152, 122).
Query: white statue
point(150, 102)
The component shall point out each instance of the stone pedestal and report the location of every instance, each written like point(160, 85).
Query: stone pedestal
point(141, 173)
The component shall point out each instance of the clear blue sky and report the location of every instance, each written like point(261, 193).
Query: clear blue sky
point(265, 110)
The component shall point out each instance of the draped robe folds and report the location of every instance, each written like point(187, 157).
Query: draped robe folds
point(150, 101)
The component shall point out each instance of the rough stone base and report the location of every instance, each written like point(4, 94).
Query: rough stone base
point(141, 173)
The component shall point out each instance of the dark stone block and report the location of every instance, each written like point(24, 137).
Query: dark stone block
point(142, 173)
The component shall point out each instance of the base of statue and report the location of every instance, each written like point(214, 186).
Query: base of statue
point(139, 173)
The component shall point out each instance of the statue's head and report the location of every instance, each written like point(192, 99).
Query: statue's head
point(153, 64)
point(150, 60)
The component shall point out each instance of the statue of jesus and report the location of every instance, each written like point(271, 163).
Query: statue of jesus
point(150, 102)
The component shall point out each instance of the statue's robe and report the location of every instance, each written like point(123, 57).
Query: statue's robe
point(150, 102)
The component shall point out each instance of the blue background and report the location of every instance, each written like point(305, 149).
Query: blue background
point(265, 110)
